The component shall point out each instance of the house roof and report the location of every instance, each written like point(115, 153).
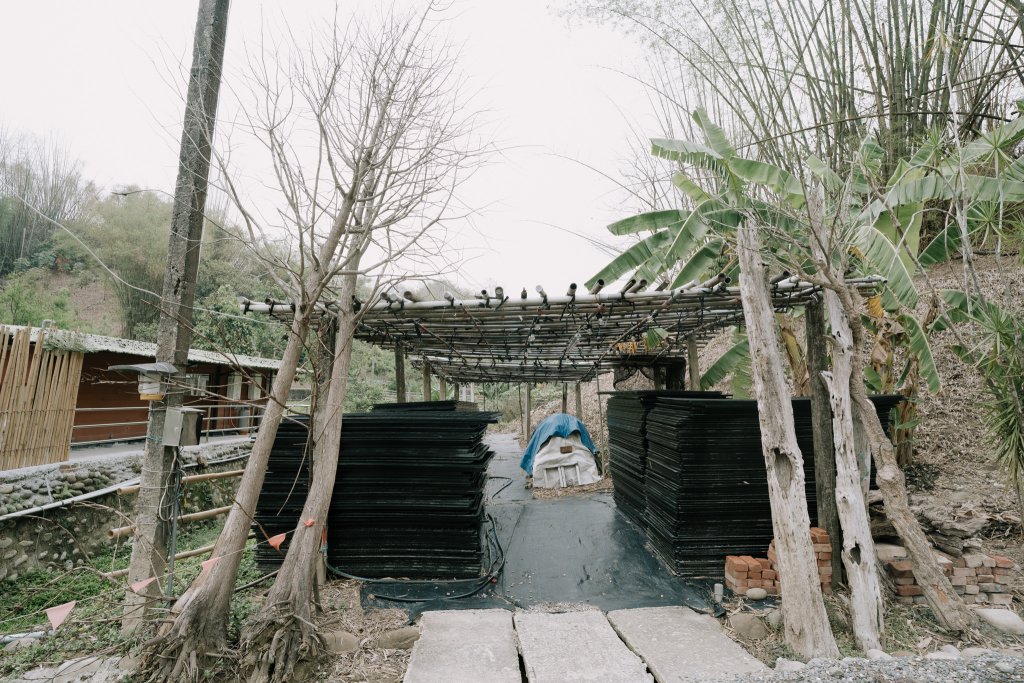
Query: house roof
point(96, 343)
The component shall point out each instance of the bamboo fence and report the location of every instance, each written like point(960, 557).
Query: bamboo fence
point(38, 392)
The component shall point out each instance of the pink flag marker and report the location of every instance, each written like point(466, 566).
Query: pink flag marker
point(276, 541)
point(139, 585)
point(310, 522)
point(58, 614)
point(206, 564)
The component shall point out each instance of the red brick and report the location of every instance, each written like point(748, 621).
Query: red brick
point(826, 588)
point(752, 564)
point(764, 562)
point(909, 590)
point(740, 590)
point(825, 556)
point(821, 548)
point(772, 556)
point(772, 590)
point(963, 571)
point(988, 561)
point(906, 582)
point(769, 574)
point(899, 568)
point(754, 576)
point(1001, 599)
point(972, 589)
point(986, 578)
point(734, 563)
point(958, 580)
point(1002, 571)
point(1002, 562)
point(824, 563)
point(959, 562)
point(825, 571)
point(819, 535)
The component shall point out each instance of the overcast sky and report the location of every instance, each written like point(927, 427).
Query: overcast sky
point(105, 79)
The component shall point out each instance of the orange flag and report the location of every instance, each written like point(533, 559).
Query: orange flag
point(276, 541)
point(206, 564)
point(310, 522)
point(58, 614)
point(139, 585)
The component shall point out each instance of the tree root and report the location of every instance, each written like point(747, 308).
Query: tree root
point(279, 646)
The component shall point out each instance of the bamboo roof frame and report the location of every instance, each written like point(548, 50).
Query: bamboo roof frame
point(542, 338)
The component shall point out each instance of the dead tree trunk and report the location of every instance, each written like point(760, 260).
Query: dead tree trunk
point(282, 634)
point(859, 558)
point(149, 547)
point(949, 609)
point(807, 629)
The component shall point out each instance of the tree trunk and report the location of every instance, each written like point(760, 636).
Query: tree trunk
point(949, 609)
point(399, 374)
point(807, 629)
point(282, 633)
point(200, 615)
point(174, 337)
point(824, 449)
point(859, 559)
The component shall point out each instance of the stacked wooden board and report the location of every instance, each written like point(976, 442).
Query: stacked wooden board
point(408, 497)
point(704, 479)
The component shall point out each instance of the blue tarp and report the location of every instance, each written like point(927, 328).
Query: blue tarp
point(558, 424)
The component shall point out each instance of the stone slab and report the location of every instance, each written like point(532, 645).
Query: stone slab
point(680, 645)
point(575, 646)
point(465, 646)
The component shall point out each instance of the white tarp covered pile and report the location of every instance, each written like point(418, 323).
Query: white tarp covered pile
point(564, 461)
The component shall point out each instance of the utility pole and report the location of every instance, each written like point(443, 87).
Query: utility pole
point(174, 337)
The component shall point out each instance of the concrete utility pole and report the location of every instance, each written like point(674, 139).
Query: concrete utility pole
point(149, 548)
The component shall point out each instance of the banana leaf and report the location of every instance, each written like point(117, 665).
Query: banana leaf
point(922, 351)
point(652, 220)
point(633, 258)
point(728, 361)
point(714, 135)
point(699, 263)
point(881, 257)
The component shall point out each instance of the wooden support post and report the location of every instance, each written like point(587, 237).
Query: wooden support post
point(565, 397)
point(456, 391)
point(674, 376)
point(442, 388)
point(426, 381)
point(821, 428)
point(658, 378)
point(399, 374)
point(529, 409)
point(693, 363)
point(579, 401)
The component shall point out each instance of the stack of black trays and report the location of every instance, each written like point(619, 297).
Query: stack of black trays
point(627, 446)
point(408, 498)
point(432, 406)
point(705, 484)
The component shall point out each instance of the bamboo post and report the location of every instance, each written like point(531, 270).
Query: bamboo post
point(426, 381)
point(529, 409)
point(579, 401)
point(442, 388)
point(399, 374)
point(821, 428)
point(565, 397)
point(693, 363)
point(122, 531)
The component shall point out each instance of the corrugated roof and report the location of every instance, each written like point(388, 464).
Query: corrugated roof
point(96, 343)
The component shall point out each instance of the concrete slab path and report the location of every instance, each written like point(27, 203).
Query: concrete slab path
point(465, 646)
point(681, 646)
point(575, 646)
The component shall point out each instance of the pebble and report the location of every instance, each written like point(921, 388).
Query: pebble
point(984, 668)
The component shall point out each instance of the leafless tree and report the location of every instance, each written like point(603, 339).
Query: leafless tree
point(367, 140)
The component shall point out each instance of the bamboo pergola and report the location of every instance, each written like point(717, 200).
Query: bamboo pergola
point(573, 337)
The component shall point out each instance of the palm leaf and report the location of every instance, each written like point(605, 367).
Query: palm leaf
point(922, 351)
point(653, 220)
point(721, 368)
point(632, 258)
point(782, 182)
point(881, 257)
point(714, 135)
point(699, 263)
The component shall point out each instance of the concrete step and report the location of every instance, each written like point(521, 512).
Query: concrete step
point(575, 646)
point(681, 646)
point(465, 646)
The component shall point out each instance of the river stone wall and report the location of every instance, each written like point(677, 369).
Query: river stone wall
point(66, 536)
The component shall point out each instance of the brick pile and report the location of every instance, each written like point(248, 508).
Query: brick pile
point(743, 572)
point(980, 579)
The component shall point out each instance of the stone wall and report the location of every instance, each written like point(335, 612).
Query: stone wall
point(63, 536)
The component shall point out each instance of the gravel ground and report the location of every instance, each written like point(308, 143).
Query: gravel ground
point(989, 668)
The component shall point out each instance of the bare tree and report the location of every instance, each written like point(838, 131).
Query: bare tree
point(367, 140)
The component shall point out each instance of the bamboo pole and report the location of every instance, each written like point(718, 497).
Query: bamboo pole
point(205, 550)
point(579, 401)
point(529, 409)
point(693, 363)
point(399, 374)
point(565, 397)
point(122, 531)
point(426, 381)
point(126, 490)
point(442, 388)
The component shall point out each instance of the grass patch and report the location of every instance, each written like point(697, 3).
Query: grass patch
point(94, 625)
